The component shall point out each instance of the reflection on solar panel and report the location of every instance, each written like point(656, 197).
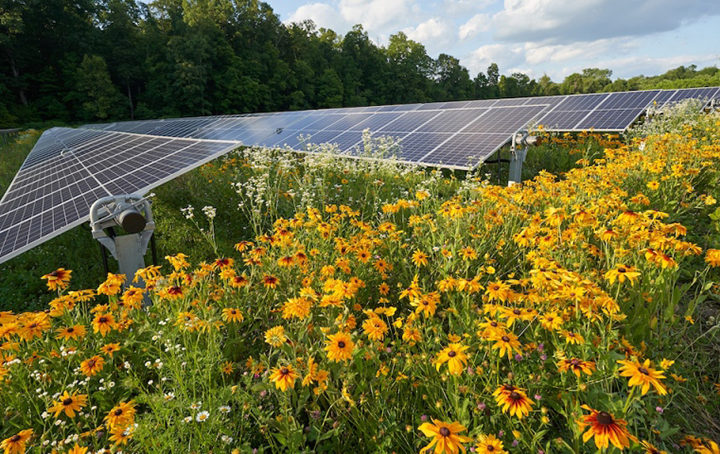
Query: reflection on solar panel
point(68, 169)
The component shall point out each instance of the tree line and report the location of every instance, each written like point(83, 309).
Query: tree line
point(99, 60)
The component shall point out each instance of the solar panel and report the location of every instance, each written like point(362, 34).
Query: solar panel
point(72, 168)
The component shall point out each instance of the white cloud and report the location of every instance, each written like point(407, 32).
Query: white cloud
point(567, 21)
point(505, 55)
point(476, 24)
point(378, 16)
point(465, 7)
point(323, 14)
point(434, 33)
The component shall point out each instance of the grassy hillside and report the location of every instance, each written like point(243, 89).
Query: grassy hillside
point(374, 307)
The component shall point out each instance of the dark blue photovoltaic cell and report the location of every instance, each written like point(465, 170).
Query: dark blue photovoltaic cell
point(504, 120)
point(629, 100)
point(580, 102)
point(562, 120)
point(611, 119)
point(466, 150)
point(699, 93)
point(509, 102)
point(452, 120)
point(663, 97)
point(377, 121)
point(413, 147)
point(408, 122)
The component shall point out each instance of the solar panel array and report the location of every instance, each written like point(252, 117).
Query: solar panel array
point(68, 169)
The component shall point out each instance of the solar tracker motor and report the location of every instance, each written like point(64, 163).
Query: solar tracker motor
point(518, 150)
point(132, 213)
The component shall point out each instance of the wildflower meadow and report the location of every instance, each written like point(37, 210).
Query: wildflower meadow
point(378, 307)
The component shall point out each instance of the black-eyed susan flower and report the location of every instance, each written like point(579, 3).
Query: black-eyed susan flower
point(649, 448)
point(605, 428)
point(506, 343)
point(69, 404)
point(74, 332)
point(513, 400)
point(419, 258)
point(16, 443)
point(375, 328)
point(103, 323)
point(643, 375)
point(455, 357)
point(576, 365)
point(489, 444)
point(58, 279)
point(109, 349)
point(232, 315)
point(621, 273)
point(339, 347)
point(92, 366)
point(270, 281)
point(120, 416)
point(445, 436)
point(284, 377)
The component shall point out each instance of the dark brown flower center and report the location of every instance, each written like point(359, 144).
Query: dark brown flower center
point(341, 344)
point(102, 320)
point(515, 395)
point(91, 363)
point(452, 354)
point(575, 361)
point(14, 438)
point(444, 431)
point(67, 401)
point(517, 312)
point(118, 412)
point(70, 330)
point(490, 448)
point(643, 371)
point(284, 371)
point(505, 339)
point(494, 324)
point(604, 418)
point(621, 270)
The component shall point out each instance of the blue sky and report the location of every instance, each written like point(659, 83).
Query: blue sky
point(554, 37)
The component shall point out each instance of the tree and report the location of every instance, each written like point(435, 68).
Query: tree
point(452, 79)
point(330, 89)
point(99, 98)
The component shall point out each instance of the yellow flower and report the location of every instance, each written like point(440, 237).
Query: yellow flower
point(284, 377)
point(622, 272)
point(513, 401)
point(58, 279)
point(445, 436)
point(339, 347)
point(506, 342)
point(419, 258)
point(712, 257)
point(643, 375)
point(103, 324)
point(605, 428)
point(489, 444)
point(68, 403)
point(275, 336)
point(577, 366)
point(75, 332)
point(653, 185)
point(231, 314)
point(92, 365)
point(121, 415)
point(455, 357)
point(375, 328)
point(16, 443)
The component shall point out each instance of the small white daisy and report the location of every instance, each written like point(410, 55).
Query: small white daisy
point(202, 416)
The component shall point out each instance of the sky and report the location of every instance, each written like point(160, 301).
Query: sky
point(536, 37)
